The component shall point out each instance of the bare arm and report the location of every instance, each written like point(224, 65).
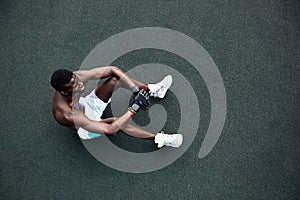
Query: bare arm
point(104, 72)
point(81, 120)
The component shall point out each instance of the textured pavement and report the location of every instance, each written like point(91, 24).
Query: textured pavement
point(255, 45)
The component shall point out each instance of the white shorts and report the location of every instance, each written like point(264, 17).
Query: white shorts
point(93, 109)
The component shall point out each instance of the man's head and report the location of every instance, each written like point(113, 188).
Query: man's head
point(60, 78)
point(66, 82)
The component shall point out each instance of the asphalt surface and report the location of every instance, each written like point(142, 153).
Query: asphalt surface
point(255, 45)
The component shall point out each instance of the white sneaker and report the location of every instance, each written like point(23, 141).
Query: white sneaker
point(159, 89)
point(162, 139)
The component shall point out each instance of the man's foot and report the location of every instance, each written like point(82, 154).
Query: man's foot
point(159, 89)
point(162, 139)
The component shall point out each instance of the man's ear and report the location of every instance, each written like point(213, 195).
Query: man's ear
point(63, 93)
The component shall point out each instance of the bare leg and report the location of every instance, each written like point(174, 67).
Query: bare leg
point(105, 90)
point(139, 84)
point(133, 131)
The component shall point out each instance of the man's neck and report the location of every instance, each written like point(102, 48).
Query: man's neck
point(67, 98)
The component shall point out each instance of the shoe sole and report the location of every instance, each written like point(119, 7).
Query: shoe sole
point(167, 82)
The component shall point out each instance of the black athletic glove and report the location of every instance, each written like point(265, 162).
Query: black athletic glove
point(141, 101)
point(135, 90)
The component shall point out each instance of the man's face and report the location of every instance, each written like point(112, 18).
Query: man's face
point(75, 86)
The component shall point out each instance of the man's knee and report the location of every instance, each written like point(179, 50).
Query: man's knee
point(113, 81)
point(109, 84)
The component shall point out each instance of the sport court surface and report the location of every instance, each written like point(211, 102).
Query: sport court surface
point(255, 45)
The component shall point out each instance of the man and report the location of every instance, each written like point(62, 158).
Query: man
point(84, 113)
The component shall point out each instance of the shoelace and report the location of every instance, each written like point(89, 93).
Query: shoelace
point(168, 139)
point(158, 91)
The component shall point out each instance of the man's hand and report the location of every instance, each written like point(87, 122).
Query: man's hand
point(141, 101)
point(135, 90)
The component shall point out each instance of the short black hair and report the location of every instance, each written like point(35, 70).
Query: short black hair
point(59, 78)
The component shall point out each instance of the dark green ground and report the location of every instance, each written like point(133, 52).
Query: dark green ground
point(255, 45)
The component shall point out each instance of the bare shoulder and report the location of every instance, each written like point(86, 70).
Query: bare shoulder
point(62, 111)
